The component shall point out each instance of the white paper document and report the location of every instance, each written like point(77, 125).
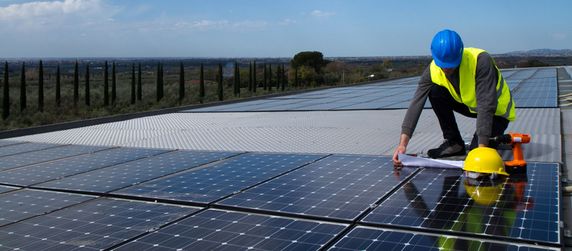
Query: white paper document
point(408, 160)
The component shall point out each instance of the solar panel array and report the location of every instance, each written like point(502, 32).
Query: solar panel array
point(531, 88)
point(125, 199)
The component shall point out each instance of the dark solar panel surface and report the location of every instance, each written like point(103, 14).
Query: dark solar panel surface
point(4, 189)
point(9, 142)
point(226, 230)
point(340, 186)
point(35, 174)
point(23, 204)
point(396, 94)
point(29, 158)
point(96, 225)
point(363, 238)
point(25, 147)
point(220, 180)
point(518, 208)
point(127, 174)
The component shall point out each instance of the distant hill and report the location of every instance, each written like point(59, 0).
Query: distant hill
point(540, 53)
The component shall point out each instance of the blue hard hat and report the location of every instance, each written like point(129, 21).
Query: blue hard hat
point(447, 49)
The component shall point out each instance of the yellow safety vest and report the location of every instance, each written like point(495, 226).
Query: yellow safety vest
point(467, 85)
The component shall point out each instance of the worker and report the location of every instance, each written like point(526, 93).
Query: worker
point(462, 80)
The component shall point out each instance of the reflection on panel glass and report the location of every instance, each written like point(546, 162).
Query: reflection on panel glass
point(520, 207)
point(363, 238)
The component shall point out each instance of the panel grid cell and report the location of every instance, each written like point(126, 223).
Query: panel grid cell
point(30, 158)
point(23, 204)
point(22, 148)
point(119, 176)
point(220, 180)
point(364, 238)
point(30, 175)
point(339, 187)
point(226, 230)
point(519, 207)
point(95, 225)
point(9, 142)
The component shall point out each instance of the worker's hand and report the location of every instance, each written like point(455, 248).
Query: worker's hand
point(400, 149)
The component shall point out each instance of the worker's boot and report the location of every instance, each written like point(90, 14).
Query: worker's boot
point(447, 149)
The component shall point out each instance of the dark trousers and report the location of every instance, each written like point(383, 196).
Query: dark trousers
point(443, 105)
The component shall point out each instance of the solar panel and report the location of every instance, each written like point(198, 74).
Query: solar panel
point(29, 158)
point(217, 229)
point(524, 208)
point(35, 174)
point(22, 148)
point(220, 180)
point(364, 238)
point(23, 204)
point(8, 143)
point(339, 186)
point(4, 189)
point(127, 174)
point(96, 225)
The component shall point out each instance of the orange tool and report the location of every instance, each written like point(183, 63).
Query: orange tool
point(515, 140)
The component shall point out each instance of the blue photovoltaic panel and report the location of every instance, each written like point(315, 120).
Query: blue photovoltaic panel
point(220, 180)
point(22, 148)
point(127, 174)
point(4, 189)
point(339, 186)
point(364, 238)
point(8, 143)
point(29, 158)
point(23, 204)
point(525, 207)
point(35, 174)
point(95, 225)
point(226, 230)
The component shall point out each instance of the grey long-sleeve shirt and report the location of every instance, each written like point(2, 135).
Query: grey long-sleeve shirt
point(486, 80)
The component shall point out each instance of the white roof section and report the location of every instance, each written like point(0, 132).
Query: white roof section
point(345, 132)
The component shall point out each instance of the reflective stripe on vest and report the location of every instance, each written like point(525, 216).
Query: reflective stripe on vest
point(467, 85)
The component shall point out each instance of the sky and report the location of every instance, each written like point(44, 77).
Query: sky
point(274, 28)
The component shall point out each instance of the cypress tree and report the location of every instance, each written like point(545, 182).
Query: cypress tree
point(219, 80)
point(113, 84)
point(132, 83)
point(202, 84)
point(23, 96)
point(139, 86)
point(58, 87)
point(278, 77)
point(158, 83)
point(270, 77)
point(254, 77)
point(6, 96)
point(284, 79)
point(265, 83)
point(76, 84)
point(87, 98)
point(250, 77)
point(238, 83)
point(41, 87)
point(181, 82)
point(106, 84)
point(235, 85)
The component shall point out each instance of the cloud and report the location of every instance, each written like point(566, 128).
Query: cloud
point(559, 36)
point(320, 13)
point(287, 21)
point(44, 9)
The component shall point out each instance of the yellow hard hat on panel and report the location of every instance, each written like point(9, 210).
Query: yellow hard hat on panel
point(484, 160)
